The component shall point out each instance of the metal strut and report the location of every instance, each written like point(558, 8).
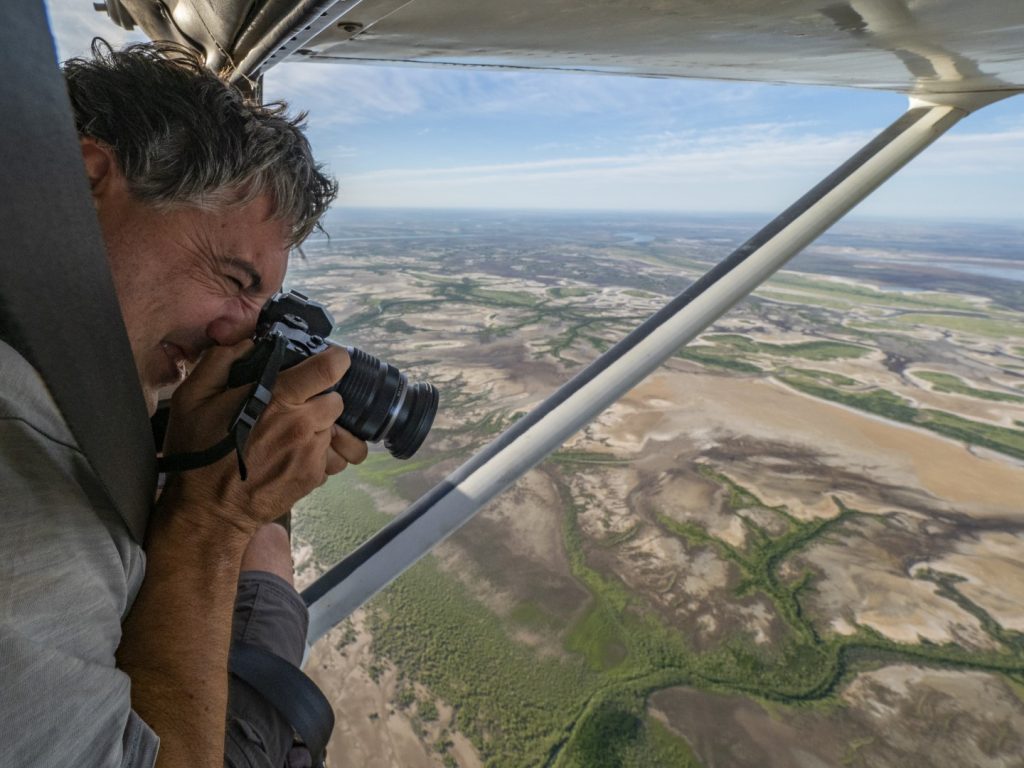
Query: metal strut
point(450, 504)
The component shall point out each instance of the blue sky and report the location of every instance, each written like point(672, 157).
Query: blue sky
point(439, 138)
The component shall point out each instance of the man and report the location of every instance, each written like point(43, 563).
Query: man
point(200, 197)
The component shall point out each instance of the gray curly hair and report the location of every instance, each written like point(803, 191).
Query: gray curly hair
point(184, 137)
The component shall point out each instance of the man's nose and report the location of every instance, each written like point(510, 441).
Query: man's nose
point(233, 325)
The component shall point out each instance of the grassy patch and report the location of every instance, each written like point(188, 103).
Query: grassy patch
point(382, 470)
point(565, 456)
point(980, 326)
point(711, 357)
point(858, 295)
point(528, 614)
point(806, 350)
point(1000, 439)
point(945, 382)
point(618, 734)
point(567, 292)
point(661, 747)
point(804, 299)
point(884, 403)
point(467, 290)
point(598, 638)
point(828, 377)
point(877, 401)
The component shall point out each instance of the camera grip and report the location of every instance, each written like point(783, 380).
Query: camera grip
point(248, 370)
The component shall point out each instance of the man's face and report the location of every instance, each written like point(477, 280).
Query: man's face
point(188, 279)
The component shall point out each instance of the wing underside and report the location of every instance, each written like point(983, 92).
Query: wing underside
point(913, 46)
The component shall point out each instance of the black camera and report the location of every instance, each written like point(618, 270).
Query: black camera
point(380, 404)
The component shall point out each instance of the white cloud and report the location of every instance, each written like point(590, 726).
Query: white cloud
point(755, 168)
point(346, 94)
point(75, 24)
point(977, 153)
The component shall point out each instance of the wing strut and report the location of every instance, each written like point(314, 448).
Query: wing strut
point(450, 504)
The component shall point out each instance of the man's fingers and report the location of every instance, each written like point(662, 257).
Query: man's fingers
point(347, 445)
point(312, 376)
point(335, 462)
point(345, 449)
point(324, 410)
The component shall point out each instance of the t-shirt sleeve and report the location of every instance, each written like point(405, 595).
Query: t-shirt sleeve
point(66, 581)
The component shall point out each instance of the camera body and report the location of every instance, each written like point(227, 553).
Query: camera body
point(380, 404)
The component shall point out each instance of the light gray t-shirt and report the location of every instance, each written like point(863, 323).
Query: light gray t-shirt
point(69, 572)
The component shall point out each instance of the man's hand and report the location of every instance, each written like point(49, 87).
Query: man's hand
point(175, 640)
point(294, 447)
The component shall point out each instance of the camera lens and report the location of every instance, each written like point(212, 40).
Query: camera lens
point(381, 405)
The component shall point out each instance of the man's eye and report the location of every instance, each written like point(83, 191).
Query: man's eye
point(236, 281)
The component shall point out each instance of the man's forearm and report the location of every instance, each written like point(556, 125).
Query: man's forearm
point(176, 638)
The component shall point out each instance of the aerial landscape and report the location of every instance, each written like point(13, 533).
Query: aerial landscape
point(799, 543)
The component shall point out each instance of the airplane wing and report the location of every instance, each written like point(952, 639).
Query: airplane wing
point(949, 56)
point(911, 46)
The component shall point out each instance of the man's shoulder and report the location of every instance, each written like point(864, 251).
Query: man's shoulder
point(55, 511)
point(25, 397)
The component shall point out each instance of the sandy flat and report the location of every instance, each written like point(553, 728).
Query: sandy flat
point(710, 409)
point(993, 567)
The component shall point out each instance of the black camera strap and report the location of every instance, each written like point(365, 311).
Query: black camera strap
point(243, 423)
point(290, 691)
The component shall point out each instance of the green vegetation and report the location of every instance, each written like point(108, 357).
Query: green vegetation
point(658, 747)
point(467, 290)
point(884, 403)
point(568, 292)
point(807, 350)
point(858, 295)
point(617, 734)
point(805, 299)
point(980, 325)
point(382, 471)
point(732, 352)
point(336, 518)
point(715, 359)
point(835, 379)
point(945, 382)
point(529, 614)
point(877, 401)
point(511, 704)
point(1000, 439)
point(566, 456)
point(427, 709)
point(597, 637)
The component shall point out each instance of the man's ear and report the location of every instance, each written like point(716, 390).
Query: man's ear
point(100, 165)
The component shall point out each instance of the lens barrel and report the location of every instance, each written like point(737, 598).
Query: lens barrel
point(381, 405)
